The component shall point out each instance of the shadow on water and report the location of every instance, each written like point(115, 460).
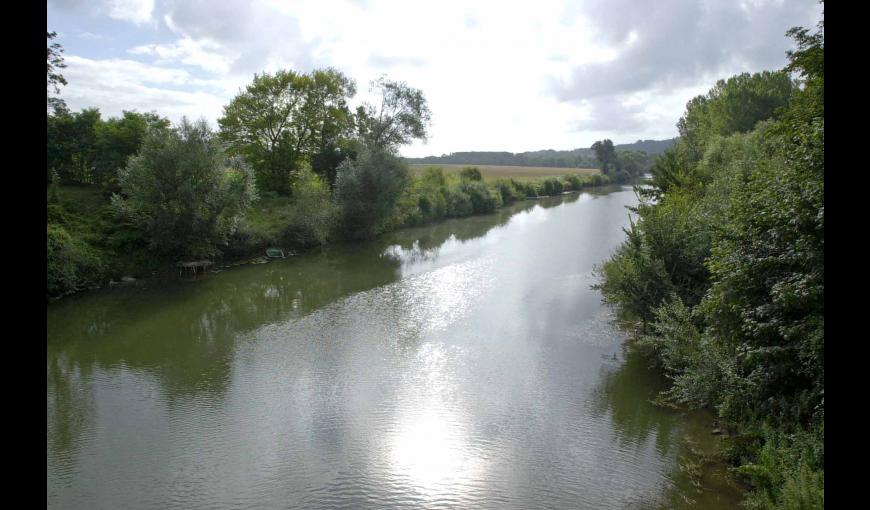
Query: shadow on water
point(700, 479)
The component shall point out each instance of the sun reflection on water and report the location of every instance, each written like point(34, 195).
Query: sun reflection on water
point(430, 448)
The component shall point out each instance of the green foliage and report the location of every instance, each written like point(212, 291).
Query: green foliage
point(725, 267)
point(509, 190)
point(72, 147)
point(313, 214)
point(482, 199)
point(184, 192)
point(606, 155)
point(72, 265)
point(368, 191)
point(733, 106)
point(787, 472)
point(470, 173)
point(283, 120)
point(402, 116)
point(574, 182)
point(552, 187)
point(634, 278)
point(119, 138)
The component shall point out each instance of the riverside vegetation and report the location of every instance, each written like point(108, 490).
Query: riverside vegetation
point(291, 166)
point(723, 272)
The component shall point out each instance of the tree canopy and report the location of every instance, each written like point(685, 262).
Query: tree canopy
point(284, 119)
point(401, 117)
point(184, 191)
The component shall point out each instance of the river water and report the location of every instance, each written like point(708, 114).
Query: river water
point(466, 364)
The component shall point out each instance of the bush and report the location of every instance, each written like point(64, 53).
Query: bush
point(470, 173)
point(458, 202)
point(72, 264)
point(552, 187)
point(184, 192)
point(508, 191)
point(482, 199)
point(313, 215)
point(368, 190)
point(574, 182)
point(787, 473)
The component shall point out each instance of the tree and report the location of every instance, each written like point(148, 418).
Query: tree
point(184, 191)
point(402, 116)
point(54, 78)
point(735, 105)
point(285, 119)
point(606, 155)
point(118, 139)
point(72, 145)
point(367, 189)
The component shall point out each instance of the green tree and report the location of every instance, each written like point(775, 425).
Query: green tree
point(735, 105)
point(119, 138)
point(184, 191)
point(402, 116)
point(368, 189)
point(470, 173)
point(283, 120)
point(72, 145)
point(606, 155)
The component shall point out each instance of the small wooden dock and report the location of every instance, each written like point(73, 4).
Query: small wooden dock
point(194, 265)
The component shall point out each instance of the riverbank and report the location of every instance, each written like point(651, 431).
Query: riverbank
point(91, 248)
point(451, 364)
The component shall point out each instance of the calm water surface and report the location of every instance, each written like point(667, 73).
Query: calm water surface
point(466, 364)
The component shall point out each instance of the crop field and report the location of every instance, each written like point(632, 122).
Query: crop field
point(492, 172)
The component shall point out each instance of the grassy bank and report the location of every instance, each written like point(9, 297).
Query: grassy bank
point(89, 244)
point(495, 172)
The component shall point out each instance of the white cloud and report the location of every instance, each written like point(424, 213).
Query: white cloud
point(115, 85)
point(134, 11)
point(518, 76)
point(203, 53)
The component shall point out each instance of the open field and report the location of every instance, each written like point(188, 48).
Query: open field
point(492, 172)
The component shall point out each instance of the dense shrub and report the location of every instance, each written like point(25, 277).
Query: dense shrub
point(725, 267)
point(368, 190)
point(508, 191)
point(482, 199)
point(458, 202)
point(552, 187)
point(470, 173)
point(184, 192)
point(313, 214)
point(72, 264)
point(574, 182)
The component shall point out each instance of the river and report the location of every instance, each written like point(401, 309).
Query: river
point(467, 364)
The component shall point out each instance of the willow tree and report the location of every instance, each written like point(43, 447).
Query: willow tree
point(401, 117)
point(184, 191)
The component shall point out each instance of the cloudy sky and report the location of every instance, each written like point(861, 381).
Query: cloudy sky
point(498, 76)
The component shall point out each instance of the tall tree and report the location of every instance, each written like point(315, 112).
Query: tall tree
point(118, 139)
point(402, 116)
point(734, 105)
point(283, 120)
point(606, 155)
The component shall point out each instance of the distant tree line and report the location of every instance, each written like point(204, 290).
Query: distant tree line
point(576, 158)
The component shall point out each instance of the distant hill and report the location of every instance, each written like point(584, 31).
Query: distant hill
point(651, 147)
point(577, 158)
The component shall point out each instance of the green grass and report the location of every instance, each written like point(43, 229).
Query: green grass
point(493, 172)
